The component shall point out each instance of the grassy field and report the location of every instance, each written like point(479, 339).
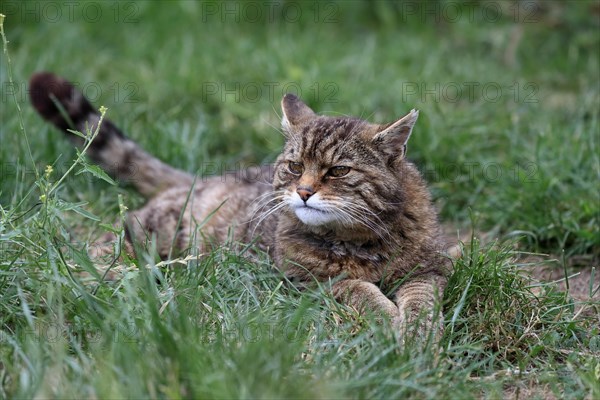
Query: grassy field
point(507, 137)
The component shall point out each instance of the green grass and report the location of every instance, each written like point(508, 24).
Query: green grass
point(520, 164)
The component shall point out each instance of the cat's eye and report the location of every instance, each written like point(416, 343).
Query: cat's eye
point(338, 172)
point(296, 168)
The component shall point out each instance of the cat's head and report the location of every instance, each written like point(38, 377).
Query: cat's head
point(340, 171)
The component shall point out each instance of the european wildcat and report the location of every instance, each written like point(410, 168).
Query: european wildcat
point(341, 202)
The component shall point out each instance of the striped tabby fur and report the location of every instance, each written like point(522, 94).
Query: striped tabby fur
point(341, 204)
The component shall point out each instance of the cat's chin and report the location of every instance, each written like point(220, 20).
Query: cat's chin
point(313, 217)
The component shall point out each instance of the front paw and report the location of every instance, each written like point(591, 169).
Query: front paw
point(364, 297)
point(418, 320)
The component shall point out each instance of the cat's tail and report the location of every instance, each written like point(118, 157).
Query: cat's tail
point(59, 102)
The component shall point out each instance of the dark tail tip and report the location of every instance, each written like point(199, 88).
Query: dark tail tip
point(47, 89)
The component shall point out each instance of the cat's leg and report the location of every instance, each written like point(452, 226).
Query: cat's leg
point(364, 297)
point(158, 226)
point(163, 222)
point(106, 254)
point(416, 300)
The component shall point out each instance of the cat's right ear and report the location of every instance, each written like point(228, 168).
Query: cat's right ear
point(295, 113)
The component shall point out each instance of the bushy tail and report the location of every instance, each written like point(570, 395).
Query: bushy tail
point(111, 149)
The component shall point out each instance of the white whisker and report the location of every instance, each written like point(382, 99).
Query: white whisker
point(266, 215)
point(352, 213)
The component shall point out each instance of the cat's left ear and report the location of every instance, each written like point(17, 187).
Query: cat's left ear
point(393, 138)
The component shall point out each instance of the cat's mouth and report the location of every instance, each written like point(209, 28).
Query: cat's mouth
point(313, 216)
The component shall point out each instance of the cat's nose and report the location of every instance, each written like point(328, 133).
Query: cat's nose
point(305, 192)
